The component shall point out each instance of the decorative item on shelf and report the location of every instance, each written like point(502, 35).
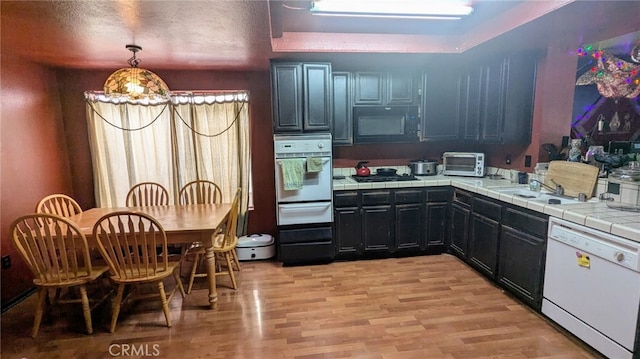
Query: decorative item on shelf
point(575, 153)
point(615, 122)
point(135, 83)
point(627, 123)
point(601, 123)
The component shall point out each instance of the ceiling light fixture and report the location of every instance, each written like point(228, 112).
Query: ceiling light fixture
point(136, 83)
point(411, 9)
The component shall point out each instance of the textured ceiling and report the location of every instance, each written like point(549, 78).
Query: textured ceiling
point(246, 34)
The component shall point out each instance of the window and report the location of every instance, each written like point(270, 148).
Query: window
point(195, 136)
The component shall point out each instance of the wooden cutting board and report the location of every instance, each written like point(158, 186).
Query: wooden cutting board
point(574, 177)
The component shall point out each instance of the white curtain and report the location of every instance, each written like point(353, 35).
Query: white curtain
point(213, 130)
point(196, 136)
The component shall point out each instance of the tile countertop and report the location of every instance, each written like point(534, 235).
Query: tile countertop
point(591, 214)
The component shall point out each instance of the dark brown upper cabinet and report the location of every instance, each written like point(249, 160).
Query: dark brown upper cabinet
point(301, 97)
point(384, 88)
point(342, 110)
point(441, 86)
point(496, 100)
point(489, 101)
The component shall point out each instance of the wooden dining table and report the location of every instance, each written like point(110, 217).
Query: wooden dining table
point(183, 224)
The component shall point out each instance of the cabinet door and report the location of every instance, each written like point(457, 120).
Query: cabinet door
point(286, 89)
point(492, 114)
point(519, 94)
point(470, 99)
point(521, 265)
point(377, 228)
point(348, 231)
point(368, 88)
point(342, 110)
point(440, 103)
point(399, 88)
point(483, 244)
point(409, 225)
point(317, 97)
point(459, 231)
point(436, 226)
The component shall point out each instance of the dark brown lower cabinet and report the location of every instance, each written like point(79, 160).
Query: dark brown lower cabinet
point(390, 221)
point(521, 265)
point(409, 225)
point(523, 243)
point(409, 205)
point(483, 244)
point(436, 223)
point(347, 231)
point(377, 226)
point(459, 231)
point(347, 224)
point(484, 234)
point(505, 242)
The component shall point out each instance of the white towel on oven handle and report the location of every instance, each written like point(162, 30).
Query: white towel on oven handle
point(293, 170)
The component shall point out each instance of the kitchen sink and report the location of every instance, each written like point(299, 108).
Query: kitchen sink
point(542, 196)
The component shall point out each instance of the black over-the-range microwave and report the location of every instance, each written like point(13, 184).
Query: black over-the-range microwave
point(375, 124)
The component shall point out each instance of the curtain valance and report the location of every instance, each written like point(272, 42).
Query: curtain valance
point(177, 98)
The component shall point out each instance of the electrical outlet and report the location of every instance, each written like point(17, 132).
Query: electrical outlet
point(6, 261)
point(507, 159)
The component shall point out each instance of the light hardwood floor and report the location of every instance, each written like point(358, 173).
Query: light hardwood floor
point(415, 307)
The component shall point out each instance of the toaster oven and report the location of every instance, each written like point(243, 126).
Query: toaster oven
point(463, 164)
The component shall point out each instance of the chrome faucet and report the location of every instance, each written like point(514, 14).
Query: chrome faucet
point(559, 190)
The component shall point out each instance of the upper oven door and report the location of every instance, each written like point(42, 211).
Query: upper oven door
point(316, 186)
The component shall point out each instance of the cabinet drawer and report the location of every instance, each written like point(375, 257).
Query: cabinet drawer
point(438, 195)
point(526, 221)
point(487, 208)
point(376, 197)
point(409, 196)
point(462, 198)
point(345, 199)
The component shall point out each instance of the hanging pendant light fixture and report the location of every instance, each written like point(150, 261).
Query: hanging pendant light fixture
point(135, 83)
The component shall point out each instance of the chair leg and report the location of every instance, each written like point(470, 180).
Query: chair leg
point(230, 270)
point(56, 297)
point(165, 303)
point(116, 307)
point(42, 298)
point(86, 311)
point(176, 276)
point(192, 276)
point(236, 261)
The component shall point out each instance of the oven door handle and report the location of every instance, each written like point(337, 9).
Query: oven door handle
point(324, 160)
point(297, 207)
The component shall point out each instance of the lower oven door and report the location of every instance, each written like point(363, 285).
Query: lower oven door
point(305, 213)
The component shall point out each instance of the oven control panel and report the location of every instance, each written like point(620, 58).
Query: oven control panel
point(302, 145)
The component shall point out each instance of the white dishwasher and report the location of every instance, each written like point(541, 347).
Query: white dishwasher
point(592, 287)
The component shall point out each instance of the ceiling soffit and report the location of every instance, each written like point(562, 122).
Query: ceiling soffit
point(294, 29)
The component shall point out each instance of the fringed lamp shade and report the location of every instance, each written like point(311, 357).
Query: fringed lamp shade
point(136, 83)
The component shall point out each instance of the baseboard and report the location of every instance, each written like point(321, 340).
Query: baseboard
point(12, 302)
